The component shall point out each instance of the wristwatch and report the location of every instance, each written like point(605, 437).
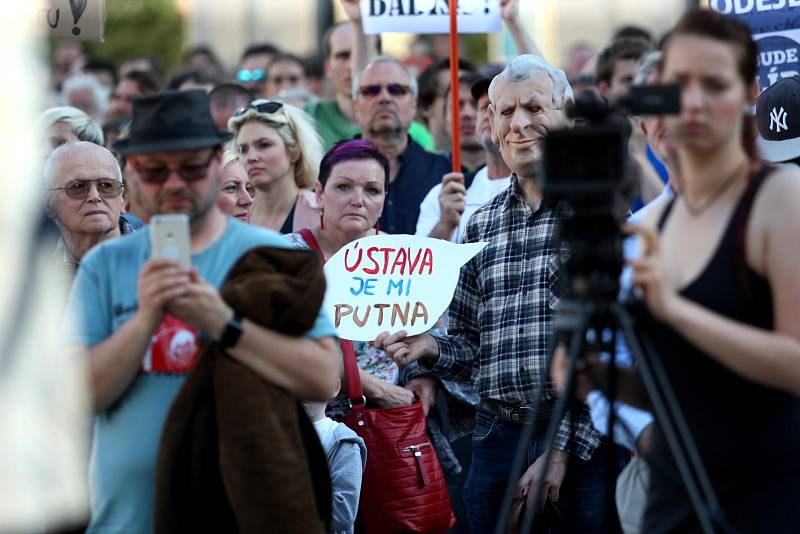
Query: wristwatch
point(233, 331)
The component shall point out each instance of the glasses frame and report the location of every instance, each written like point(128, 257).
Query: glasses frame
point(91, 181)
point(260, 78)
point(397, 90)
point(180, 170)
point(270, 107)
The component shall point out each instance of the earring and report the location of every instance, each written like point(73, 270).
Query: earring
point(377, 227)
point(321, 219)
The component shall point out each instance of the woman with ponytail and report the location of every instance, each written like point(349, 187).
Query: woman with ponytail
point(722, 290)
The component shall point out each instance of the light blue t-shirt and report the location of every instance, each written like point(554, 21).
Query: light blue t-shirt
point(127, 435)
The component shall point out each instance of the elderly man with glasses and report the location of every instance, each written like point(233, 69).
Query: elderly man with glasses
point(139, 314)
point(385, 103)
point(84, 199)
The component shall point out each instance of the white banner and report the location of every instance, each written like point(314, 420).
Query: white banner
point(429, 16)
point(392, 282)
point(83, 20)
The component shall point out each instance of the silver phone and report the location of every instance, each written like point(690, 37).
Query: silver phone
point(169, 238)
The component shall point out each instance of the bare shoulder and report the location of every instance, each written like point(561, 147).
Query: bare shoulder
point(778, 198)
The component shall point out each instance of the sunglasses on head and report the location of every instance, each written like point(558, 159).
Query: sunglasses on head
point(188, 172)
point(269, 106)
point(245, 76)
point(79, 189)
point(394, 89)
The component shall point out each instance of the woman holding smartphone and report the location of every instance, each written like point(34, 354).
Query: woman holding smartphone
point(722, 290)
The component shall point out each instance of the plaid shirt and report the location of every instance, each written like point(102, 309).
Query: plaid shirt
point(502, 314)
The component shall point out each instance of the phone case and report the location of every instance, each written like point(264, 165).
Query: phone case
point(169, 238)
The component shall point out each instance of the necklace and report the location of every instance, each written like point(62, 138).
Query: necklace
point(696, 211)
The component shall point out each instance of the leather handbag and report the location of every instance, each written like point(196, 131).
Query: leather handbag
point(403, 488)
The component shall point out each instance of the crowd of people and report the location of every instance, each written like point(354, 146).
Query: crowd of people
point(262, 157)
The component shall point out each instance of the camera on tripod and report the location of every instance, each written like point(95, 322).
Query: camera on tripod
point(587, 168)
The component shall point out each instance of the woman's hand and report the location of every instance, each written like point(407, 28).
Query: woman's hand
point(649, 276)
point(390, 396)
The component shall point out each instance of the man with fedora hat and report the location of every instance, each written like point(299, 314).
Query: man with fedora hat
point(141, 317)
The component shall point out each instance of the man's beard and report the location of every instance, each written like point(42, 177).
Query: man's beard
point(197, 208)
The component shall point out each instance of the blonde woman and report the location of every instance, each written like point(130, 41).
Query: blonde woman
point(235, 191)
point(280, 150)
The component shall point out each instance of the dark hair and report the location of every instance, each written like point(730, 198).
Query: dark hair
point(259, 48)
point(155, 69)
point(326, 39)
point(230, 93)
point(283, 56)
point(96, 64)
point(625, 48)
point(429, 83)
point(727, 29)
point(466, 78)
point(348, 150)
point(198, 76)
point(200, 50)
point(147, 83)
point(632, 31)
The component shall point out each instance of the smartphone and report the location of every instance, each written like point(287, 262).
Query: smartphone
point(169, 238)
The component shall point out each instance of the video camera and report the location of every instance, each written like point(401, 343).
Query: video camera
point(587, 168)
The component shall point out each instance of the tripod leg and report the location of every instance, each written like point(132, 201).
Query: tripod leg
point(701, 503)
point(565, 401)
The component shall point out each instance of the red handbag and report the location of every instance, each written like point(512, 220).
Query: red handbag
point(403, 487)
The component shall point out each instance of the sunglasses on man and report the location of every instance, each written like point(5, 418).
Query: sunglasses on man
point(188, 172)
point(394, 89)
point(268, 106)
point(79, 189)
point(256, 75)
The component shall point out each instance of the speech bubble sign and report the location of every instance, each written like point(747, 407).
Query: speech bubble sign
point(429, 16)
point(392, 282)
point(83, 20)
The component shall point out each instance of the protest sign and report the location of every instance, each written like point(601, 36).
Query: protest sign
point(776, 29)
point(429, 16)
point(78, 19)
point(392, 282)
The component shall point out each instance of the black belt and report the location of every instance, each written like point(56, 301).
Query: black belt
point(515, 414)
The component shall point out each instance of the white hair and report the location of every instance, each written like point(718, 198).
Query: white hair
point(81, 82)
point(79, 123)
point(525, 67)
point(52, 162)
point(412, 83)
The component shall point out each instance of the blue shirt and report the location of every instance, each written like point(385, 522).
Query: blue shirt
point(126, 436)
point(419, 172)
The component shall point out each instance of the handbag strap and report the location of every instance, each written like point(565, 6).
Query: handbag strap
point(355, 391)
point(311, 241)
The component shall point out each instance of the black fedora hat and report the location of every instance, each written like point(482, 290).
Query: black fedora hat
point(171, 120)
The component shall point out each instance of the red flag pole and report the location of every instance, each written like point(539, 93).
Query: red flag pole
point(454, 89)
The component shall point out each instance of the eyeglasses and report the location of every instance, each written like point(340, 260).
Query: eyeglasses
point(187, 172)
point(245, 76)
point(394, 89)
point(268, 106)
point(79, 189)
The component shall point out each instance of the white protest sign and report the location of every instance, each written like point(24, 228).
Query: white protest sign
point(429, 16)
point(84, 20)
point(392, 282)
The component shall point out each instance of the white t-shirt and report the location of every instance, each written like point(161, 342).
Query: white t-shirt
point(482, 190)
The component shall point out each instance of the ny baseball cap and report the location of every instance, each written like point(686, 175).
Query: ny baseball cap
point(778, 118)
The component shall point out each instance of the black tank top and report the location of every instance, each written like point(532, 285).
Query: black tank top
point(748, 435)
